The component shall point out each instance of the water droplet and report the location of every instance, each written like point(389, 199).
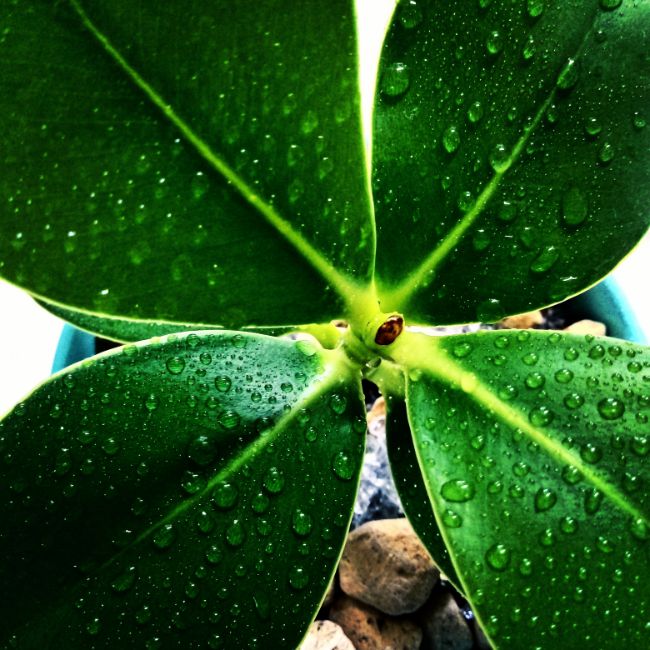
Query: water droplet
point(494, 42)
point(608, 5)
point(535, 8)
point(213, 554)
point(604, 545)
point(457, 491)
point(573, 401)
point(201, 450)
point(499, 159)
point(229, 419)
point(574, 207)
point(274, 480)
point(535, 380)
point(451, 139)
point(298, 577)
point(225, 495)
point(462, 349)
point(410, 15)
point(124, 581)
point(530, 359)
point(525, 567)
point(475, 112)
point(395, 80)
point(529, 49)
point(606, 153)
point(490, 311)
point(563, 376)
point(93, 627)
point(309, 122)
point(465, 201)
point(338, 403)
point(520, 469)
point(175, 365)
point(508, 392)
point(571, 475)
point(593, 126)
point(222, 383)
point(639, 528)
point(498, 557)
point(151, 402)
point(236, 533)
point(540, 416)
point(568, 525)
point(301, 522)
point(451, 519)
point(164, 537)
point(640, 445)
point(568, 77)
point(481, 239)
point(343, 465)
point(611, 408)
point(639, 121)
point(545, 259)
point(593, 499)
point(590, 453)
point(545, 499)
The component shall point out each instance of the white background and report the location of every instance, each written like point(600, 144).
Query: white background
point(28, 333)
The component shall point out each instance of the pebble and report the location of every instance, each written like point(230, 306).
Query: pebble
point(370, 629)
point(444, 625)
point(586, 326)
point(326, 635)
point(385, 565)
point(523, 321)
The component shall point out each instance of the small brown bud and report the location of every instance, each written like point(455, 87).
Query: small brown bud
point(389, 330)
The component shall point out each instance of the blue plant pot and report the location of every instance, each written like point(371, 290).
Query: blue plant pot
point(605, 303)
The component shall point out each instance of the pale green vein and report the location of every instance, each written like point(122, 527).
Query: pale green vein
point(344, 286)
point(422, 276)
point(334, 374)
point(423, 352)
point(399, 297)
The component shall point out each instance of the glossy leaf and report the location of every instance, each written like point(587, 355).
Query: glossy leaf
point(534, 449)
point(412, 491)
point(193, 162)
point(510, 153)
point(194, 491)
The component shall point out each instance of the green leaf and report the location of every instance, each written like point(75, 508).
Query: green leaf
point(411, 488)
point(198, 163)
point(195, 491)
point(510, 153)
point(534, 448)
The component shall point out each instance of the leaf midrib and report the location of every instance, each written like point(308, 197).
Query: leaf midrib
point(399, 297)
point(428, 356)
point(342, 284)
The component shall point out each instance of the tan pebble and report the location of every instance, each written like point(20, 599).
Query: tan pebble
point(586, 326)
point(370, 629)
point(384, 564)
point(523, 321)
point(378, 410)
point(326, 635)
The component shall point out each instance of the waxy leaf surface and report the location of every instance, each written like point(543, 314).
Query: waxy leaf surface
point(534, 450)
point(187, 162)
point(194, 491)
point(511, 153)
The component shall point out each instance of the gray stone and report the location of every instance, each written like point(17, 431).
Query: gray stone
point(444, 625)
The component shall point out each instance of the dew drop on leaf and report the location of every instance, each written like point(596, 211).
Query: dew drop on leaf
point(151, 402)
point(395, 80)
point(490, 311)
point(593, 126)
point(164, 537)
point(124, 581)
point(475, 112)
point(540, 416)
point(451, 139)
point(224, 495)
point(451, 519)
point(639, 528)
point(201, 450)
point(545, 499)
point(591, 453)
point(535, 380)
point(462, 349)
point(222, 383)
point(545, 259)
point(640, 445)
point(574, 207)
point(608, 5)
point(457, 491)
point(274, 480)
point(175, 365)
point(563, 376)
point(571, 475)
point(611, 408)
point(301, 522)
point(298, 577)
point(568, 525)
point(606, 153)
point(410, 14)
point(535, 7)
point(593, 499)
point(529, 49)
point(229, 419)
point(499, 158)
point(498, 557)
point(236, 533)
point(494, 42)
point(338, 403)
point(343, 465)
point(568, 77)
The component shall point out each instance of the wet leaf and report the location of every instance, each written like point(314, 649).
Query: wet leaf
point(513, 163)
point(537, 473)
point(194, 490)
point(201, 163)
